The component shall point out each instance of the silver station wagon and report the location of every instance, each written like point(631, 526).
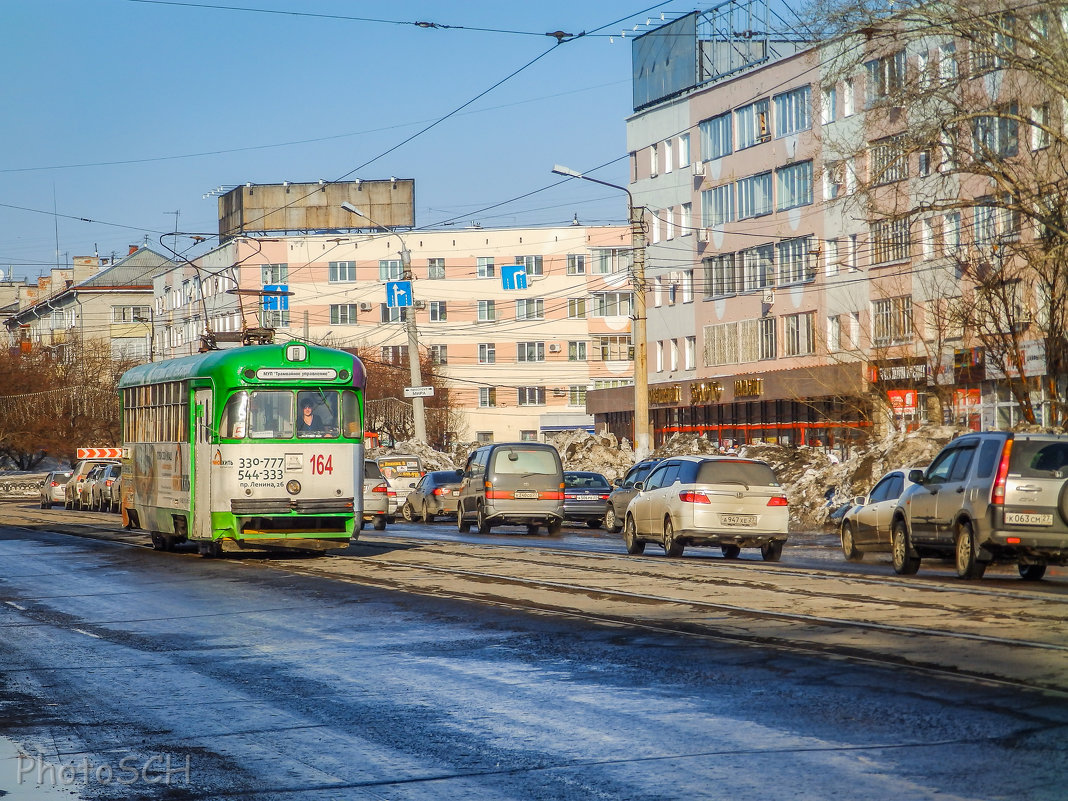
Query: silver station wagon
point(712, 500)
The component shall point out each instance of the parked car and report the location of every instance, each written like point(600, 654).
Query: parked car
point(512, 483)
point(865, 526)
point(101, 498)
point(436, 493)
point(53, 488)
point(708, 500)
point(994, 497)
point(85, 488)
point(623, 490)
point(585, 497)
point(71, 491)
point(375, 496)
point(403, 473)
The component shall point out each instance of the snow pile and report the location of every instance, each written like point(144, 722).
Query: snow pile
point(600, 453)
point(431, 459)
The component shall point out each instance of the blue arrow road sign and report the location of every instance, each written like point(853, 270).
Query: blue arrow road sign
point(398, 294)
point(514, 276)
point(276, 302)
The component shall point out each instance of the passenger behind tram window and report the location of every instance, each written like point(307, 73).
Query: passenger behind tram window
point(317, 414)
point(271, 414)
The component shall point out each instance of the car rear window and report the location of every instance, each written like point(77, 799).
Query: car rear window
point(520, 460)
point(1038, 459)
point(370, 470)
point(583, 481)
point(753, 474)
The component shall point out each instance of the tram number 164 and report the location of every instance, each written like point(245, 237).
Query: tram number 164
point(322, 464)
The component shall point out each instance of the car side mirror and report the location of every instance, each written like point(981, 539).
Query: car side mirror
point(617, 482)
point(916, 476)
point(459, 473)
point(859, 500)
point(639, 485)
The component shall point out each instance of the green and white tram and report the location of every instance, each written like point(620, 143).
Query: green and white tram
point(252, 447)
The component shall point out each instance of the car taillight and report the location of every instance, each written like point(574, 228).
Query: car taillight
point(997, 494)
point(498, 495)
point(109, 482)
point(693, 497)
point(604, 497)
point(778, 500)
point(552, 495)
point(439, 490)
point(379, 488)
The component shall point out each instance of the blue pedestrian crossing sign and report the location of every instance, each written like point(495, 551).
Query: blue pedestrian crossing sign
point(398, 294)
point(514, 276)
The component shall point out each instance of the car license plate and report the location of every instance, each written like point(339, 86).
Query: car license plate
point(456, 492)
point(737, 520)
point(585, 497)
point(1028, 519)
point(527, 494)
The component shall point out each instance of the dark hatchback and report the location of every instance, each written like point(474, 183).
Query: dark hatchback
point(616, 506)
point(435, 494)
point(585, 495)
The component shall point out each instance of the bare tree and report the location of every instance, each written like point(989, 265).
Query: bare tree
point(963, 141)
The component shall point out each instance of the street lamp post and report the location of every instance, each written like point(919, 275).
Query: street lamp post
point(415, 369)
point(643, 444)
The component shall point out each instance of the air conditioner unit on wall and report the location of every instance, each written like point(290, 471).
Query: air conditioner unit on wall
point(554, 348)
point(366, 307)
point(698, 168)
point(702, 235)
point(420, 304)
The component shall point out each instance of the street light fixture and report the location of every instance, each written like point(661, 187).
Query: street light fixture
point(643, 445)
point(416, 373)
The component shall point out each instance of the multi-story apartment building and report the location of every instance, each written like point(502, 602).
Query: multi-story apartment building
point(517, 362)
point(802, 254)
point(96, 302)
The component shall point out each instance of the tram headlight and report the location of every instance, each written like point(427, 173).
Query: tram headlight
point(293, 486)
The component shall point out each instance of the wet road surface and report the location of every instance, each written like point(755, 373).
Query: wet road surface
point(280, 684)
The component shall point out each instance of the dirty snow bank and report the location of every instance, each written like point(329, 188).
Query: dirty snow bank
point(806, 473)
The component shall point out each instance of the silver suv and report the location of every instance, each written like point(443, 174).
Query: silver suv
point(987, 498)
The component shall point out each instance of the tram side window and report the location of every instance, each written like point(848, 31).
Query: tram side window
point(322, 420)
point(270, 414)
point(233, 424)
point(350, 414)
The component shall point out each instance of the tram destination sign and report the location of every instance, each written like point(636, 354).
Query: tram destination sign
point(296, 374)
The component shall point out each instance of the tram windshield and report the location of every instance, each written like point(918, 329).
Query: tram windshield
point(283, 414)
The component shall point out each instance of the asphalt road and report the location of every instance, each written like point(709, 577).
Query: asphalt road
point(257, 679)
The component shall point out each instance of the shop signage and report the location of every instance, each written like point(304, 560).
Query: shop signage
point(665, 394)
point(903, 401)
point(706, 392)
point(748, 387)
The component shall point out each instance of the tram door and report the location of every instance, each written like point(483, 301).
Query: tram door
point(202, 456)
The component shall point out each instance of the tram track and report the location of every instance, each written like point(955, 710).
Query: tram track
point(966, 630)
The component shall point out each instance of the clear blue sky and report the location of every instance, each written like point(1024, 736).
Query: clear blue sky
point(125, 111)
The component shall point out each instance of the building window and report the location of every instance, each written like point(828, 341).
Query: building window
point(390, 269)
point(653, 159)
point(576, 308)
point(849, 97)
point(659, 365)
point(793, 111)
point(752, 124)
point(716, 139)
point(341, 271)
point(996, 135)
point(721, 344)
point(438, 311)
point(484, 437)
point(530, 351)
point(1040, 130)
point(795, 264)
point(119, 314)
point(834, 333)
point(829, 106)
point(395, 354)
point(831, 263)
point(947, 63)
point(576, 264)
point(717, 206)
point(674, 345)
point(533, 264)
point(684, 151)
point(794, 184)
point(392, 315)
point(487, 311)
point(754, 195)
point(891, 320)
point(530, 396)
point(487, 397)
point(530, 309)
point(614, 348)
point(720, 275)
point(687, 286)
point(528, 435)
point(951, 233)
point(275, 318)
point(343, 314)
point(890, 241)
point(690, 354)
point(576, 395)
point(484, 267)
point(435, 269)
point(274, 274)
point(611, 260)
point(798, 334)
point(669, 157)
point(833, 179)
point(758, 267)
point(439, 354)
point(612, 304)
point(685, 219)
point(889, 162)
point(885, 76)
point(487, 353)
point(576, 351)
